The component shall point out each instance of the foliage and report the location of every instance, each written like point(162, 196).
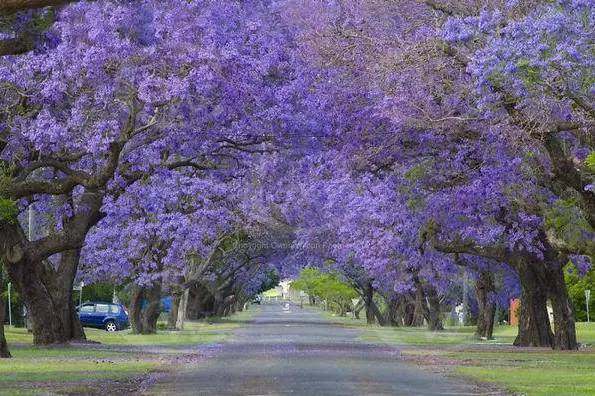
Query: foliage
point(577, 284)
point(307, 281)
point(271, 280)
point(8, 210)
point(325, 286)
point(385, 142)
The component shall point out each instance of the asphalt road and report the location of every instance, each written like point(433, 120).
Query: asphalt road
point(298, 352)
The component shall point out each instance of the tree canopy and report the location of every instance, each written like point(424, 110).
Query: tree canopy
point(199, 145)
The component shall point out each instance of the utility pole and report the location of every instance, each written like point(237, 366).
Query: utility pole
point(465, 297)
point(587, 298)
point(31, 232)
point(31, 222)
point(9, 306)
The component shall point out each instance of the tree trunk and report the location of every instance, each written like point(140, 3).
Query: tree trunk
point(145, 307)
point(534, 322)
point(4, 352)
point(434, 317)
point(199, 303)
point(564, 326)
point(172, 318)
point(410, 313)
point(373, 313)
point(63, 295)
point(223, 305)
point(218, 306)
point(47, 294)
point(368, 297)
point(419, 308)
point(46, 290)
point(358, 308)
point(342, 310)
point(192, 304)
point(136, 301)
point(484, 289)
point(182, 310)
point(428, 304)
point(394, 311)
point(390, 313)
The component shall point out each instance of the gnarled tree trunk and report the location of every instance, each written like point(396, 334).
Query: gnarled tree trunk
point(393, 311)
point(222, 305)
point(199, 303)
point(484, 289)
point(358, 308)
point(181, 318)
point(4, 352)
point(47, 294)
point(534, 322)
point(427, 303)
point(419, 308)
point(412, 312)
point(172, 318)
point(145, 307)
point(564, 325)
point(46, 289)
point(61, 291)
point(434, 317)
point(373, 314)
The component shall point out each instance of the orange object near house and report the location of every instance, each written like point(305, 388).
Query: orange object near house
point(515, 306)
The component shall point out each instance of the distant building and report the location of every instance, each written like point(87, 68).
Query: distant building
point(515, 311)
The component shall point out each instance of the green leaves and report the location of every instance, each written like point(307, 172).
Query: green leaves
point(530, 74)
point(326, 285)
point(8, 210)
point(415, 173)
point(590, 162)
point(566, 223)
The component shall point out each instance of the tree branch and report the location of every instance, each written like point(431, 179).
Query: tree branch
point(12, 6)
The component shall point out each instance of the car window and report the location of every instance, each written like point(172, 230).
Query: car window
point(87, 308)
point(102, 308)
point(114, 309)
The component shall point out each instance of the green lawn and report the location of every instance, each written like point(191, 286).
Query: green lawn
point(459, 335)
point(37, 370)
point(76, 369)
point(534, 371)
point(196, 332)
point(68, 370)
point(451, 336)
point(537, 371)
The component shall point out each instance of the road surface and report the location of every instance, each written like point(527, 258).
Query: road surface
point(298, 352)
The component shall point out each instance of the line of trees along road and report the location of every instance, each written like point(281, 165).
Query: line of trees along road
point(187, 145)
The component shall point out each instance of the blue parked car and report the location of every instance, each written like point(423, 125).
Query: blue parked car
point(108, 316)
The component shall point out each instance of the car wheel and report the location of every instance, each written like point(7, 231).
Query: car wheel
point(111, 326)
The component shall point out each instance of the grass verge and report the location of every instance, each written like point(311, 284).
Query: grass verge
point(121, 356)
point(522, 371)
